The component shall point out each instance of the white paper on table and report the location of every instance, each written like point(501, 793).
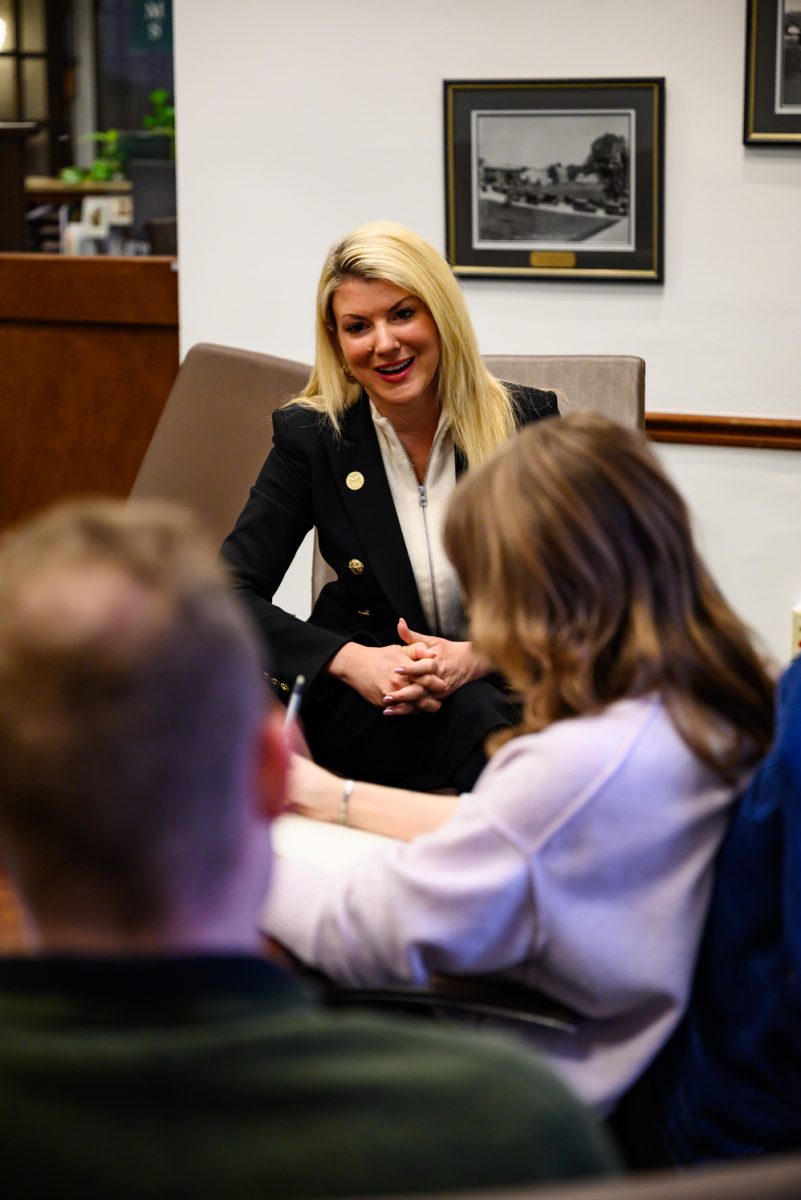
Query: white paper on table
point(330, 847)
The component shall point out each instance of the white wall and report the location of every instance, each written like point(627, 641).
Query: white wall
point(298, 121)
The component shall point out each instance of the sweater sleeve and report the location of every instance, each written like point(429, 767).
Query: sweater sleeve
point(514, 869)
point(456, 901)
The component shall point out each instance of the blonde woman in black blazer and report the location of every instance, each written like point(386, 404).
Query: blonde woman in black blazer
point(397, 405)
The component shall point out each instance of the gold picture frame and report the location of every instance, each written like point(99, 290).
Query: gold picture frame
point(555, 178)
point(773, 73)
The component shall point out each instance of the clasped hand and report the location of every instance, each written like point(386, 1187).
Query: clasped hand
point(411, 678)
point(387, 678)
point(414, 677)
point(457, 663)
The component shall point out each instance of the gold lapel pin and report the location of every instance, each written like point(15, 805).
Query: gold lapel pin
point(355, 481)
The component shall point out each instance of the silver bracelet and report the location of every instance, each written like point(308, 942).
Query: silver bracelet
point(347, 792)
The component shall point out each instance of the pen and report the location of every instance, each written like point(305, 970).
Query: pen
point(295, 697)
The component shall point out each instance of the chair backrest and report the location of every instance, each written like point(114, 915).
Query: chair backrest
point(612, 384)
point(702, 1095)
point(216, 427)
point(216, 430)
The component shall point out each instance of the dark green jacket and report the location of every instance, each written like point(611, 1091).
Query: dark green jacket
point(219, 1077)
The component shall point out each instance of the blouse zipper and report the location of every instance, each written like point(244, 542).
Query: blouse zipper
point(423, 497)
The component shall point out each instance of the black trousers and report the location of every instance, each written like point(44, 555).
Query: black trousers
point(423, 752)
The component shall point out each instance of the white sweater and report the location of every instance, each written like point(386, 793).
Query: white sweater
point(581, 865)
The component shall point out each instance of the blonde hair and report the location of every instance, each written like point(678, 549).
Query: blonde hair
point(577, 559)
point(481, 412)
point(131, 694)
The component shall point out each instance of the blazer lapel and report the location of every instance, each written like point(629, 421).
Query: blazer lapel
point(372, 511)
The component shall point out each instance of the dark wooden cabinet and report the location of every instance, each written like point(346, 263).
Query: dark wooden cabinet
point(88, 354)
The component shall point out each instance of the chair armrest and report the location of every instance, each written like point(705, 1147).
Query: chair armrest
point(476, 996)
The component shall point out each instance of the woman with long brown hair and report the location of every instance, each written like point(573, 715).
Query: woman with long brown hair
point(581, 863)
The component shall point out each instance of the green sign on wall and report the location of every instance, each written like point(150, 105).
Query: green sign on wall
point(152, 25)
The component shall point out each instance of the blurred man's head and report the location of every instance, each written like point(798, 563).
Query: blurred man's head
point(137, 762)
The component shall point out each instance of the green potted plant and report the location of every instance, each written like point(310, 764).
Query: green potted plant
point(161, 119)
point(108, 164)
point(155, 140)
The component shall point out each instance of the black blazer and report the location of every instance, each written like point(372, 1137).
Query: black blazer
point(303, 485)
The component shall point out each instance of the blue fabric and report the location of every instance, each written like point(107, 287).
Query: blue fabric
point(730, 1081)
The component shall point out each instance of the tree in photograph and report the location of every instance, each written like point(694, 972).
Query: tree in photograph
point(609, 160)
point(792, 25)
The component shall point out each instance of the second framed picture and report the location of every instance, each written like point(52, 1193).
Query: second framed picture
point(773, 73)
point(555, 179)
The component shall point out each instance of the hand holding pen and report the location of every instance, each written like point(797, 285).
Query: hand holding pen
point(295, 697)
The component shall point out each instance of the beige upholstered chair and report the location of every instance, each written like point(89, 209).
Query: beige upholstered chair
point(216, 427)
point(612, 384)
point(216, 431)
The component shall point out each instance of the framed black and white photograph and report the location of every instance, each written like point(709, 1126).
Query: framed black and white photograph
point(555, 178)
point(773, 73)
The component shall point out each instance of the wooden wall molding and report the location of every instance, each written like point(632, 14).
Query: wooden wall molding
point(766, 433)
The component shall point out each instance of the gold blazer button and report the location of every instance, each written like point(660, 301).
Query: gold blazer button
point(356, 566)
point(354, 481)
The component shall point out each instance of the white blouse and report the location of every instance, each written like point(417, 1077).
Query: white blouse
point(421, 512)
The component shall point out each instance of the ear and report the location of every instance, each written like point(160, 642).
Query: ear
point(273, 765)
